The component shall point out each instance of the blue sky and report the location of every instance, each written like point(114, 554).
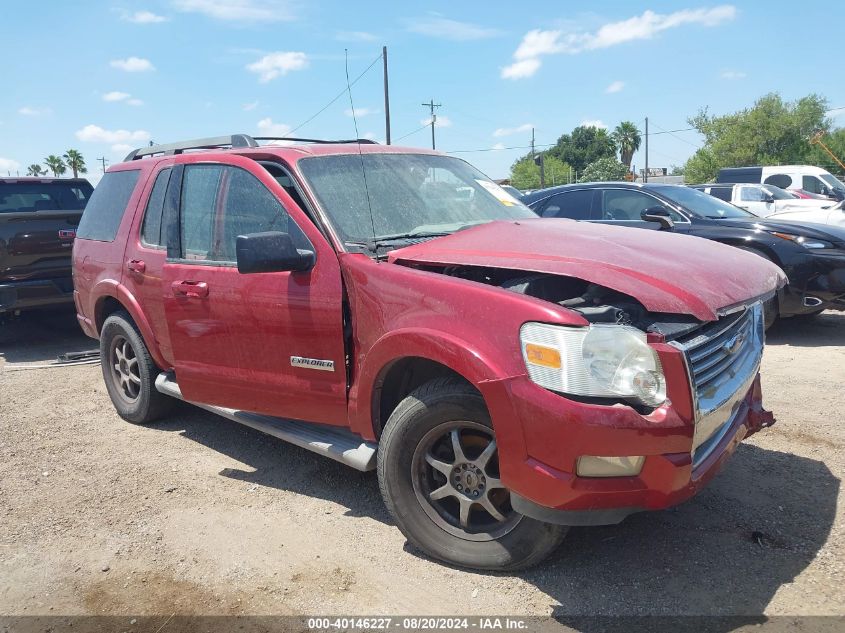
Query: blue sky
point(106, 76)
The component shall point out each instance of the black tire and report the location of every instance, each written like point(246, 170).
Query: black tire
point(135, 401)
point(445, 405)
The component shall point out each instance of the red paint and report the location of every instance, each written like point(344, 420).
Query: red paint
point(229, 337)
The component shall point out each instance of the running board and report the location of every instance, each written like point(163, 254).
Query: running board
point(330, 441)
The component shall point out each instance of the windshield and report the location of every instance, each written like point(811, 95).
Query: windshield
point(700, 204)
point(405, 194)
point(777, 193)
point(22, 196)
point(832, 181)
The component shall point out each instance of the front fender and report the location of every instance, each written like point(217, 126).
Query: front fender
point(459, 355)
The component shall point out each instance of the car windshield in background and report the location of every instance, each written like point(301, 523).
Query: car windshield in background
point(699, 203)
point(404, 195)
point(21, 197)
point(833, 182)
point(777, 193)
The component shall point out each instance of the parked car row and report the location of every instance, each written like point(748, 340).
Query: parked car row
point(391, 308)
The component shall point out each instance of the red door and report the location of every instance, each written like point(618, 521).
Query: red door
point(236, 338)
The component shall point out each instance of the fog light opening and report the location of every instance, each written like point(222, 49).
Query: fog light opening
point(596, 466)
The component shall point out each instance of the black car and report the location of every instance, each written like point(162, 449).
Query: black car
point(811, 255)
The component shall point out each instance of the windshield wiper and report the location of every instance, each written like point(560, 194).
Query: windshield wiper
point(386, 240)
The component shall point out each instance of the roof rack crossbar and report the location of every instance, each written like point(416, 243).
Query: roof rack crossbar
point(235, 140)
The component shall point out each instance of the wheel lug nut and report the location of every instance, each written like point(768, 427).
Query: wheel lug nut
point(460, 487)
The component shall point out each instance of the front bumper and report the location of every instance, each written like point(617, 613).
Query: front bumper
point(816, 283)
point(23, 295)
point(538, 453)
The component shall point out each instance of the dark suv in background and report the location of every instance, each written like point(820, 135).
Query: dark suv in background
point(811, 255)
point(38, 220)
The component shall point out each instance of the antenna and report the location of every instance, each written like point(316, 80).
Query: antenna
point(360, 153)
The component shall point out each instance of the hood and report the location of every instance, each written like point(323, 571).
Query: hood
point(828, 232)
point(665, 272)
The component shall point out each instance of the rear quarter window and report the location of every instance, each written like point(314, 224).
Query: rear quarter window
point(105, 209)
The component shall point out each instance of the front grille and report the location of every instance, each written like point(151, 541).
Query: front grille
point(723, 358)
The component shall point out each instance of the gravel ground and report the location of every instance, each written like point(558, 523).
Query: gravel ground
point(198, 515)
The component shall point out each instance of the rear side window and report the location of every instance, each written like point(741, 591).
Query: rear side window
point(778, 180)
point(722, 193)
point(105, 209)
point(572, 204)
point(151, 230)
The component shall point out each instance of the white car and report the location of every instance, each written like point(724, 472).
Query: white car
point(806, 177)
point(767, 201)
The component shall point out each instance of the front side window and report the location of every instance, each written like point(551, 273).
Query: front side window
point(751, 194)
point(104, 211)
point(700, 204)
point(624, 204)
point(812, 184)
point(220, 203)
point(571, 204)
point(388, 195)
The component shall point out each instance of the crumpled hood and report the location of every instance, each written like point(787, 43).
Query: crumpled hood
point(663, 271)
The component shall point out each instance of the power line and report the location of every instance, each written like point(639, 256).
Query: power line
point(339, 95)
point(683, 140)
point(419, 129)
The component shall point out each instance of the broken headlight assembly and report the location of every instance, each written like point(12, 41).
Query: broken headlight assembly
point(599, 361)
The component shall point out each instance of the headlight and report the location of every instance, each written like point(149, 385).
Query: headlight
point(803, 241)
point(603, 361)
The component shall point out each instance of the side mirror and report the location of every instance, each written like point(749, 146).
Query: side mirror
point(271, 252)
point(768, 198)
point(658, 214)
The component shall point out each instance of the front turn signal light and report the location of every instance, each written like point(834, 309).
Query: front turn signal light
point(542, 356)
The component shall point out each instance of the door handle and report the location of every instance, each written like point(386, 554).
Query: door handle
point(196, 289)
point(136, 266)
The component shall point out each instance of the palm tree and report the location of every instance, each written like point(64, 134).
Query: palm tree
point(628, 137)
point(36, 170)
point(56, 165)
point(76, 163)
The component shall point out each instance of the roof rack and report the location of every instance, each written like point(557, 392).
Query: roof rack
point(217, 142)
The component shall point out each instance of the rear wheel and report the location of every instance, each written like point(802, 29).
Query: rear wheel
point(129, 371)
point(438, 471)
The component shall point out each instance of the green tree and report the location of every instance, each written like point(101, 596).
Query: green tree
point(627, 136)
point(36, 170)
point(835, 142)
point(55, 164)
point(525, 174)
point(74, 160)
point(585, 145)
point(770, 132)
point(604, 169)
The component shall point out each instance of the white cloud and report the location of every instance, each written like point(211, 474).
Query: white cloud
point(521, 69)
point(441, 121)
point(446, 29)
point(116, 95)
point(355, 36)
point(507, 131)
point(132, 64)
point(30, 111)
point(7, 165)
point(537, 43)
point(268, 128)
point(122, 148)
point(359, 112)
point(143, 17)
point(279, 63)
point(247, 107)
point(733, 74)
point(239, 10)
point(616, 86)
point(96, 134)
point(596, 123)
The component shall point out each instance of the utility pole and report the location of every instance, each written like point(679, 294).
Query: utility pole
point(532, 143)
point(431, 105)
point(103, 160)
point(539, 161)
point(645, 173)
point(386, 98)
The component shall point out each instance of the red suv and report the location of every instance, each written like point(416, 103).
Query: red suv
point(393, 309)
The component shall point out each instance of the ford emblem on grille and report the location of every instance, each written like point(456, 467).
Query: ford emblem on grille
point(734, 344)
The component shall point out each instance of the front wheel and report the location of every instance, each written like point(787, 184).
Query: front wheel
point(438, 471)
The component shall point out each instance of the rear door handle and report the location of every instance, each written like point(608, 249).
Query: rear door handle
point(189, 288)
point(136, 266)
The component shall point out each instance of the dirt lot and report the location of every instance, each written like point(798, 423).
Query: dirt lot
point(200, 515)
